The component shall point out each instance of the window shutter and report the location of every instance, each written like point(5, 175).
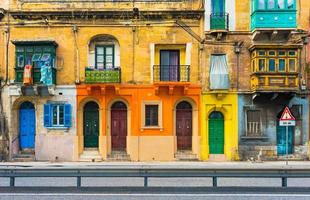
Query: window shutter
point(47, 115)
point(67, 115)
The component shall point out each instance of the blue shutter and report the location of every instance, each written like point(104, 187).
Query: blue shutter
point(47, 115)
point(67, 115)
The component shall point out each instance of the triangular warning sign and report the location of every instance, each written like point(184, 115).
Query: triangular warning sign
point(287, 115)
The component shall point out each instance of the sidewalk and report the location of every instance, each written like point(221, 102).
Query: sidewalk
point(169, 165)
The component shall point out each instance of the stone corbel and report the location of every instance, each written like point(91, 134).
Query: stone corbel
point(35, 89)
point(88, 90)
point(117, 90)
point(171, 90)
point(186, 89)
point(156, 90)
point(102, 90)
point(51, 90)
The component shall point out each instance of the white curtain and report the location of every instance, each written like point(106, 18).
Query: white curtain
point(219, 78)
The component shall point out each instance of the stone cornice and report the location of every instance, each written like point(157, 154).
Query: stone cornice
point(111, 14)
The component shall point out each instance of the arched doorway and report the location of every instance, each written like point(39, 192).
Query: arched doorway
point(184, 125)
point(118, 126)
point(27, 125)
point(91, 124)
point(216, 133)
point(281, 138)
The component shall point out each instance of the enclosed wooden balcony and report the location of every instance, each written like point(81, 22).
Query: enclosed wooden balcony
point(272, 14)
point(36, 75)
point(275, 82)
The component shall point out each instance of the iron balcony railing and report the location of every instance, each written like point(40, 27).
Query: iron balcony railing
point(171, 73)
point(93, 75)
point(219, 21)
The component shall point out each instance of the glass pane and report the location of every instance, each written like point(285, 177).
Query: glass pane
point(291, 53)
point(281, 64)
point(109, 50)
point(45, 57)
point(28, 59)
point(54, 115)
point(19, 49)
point(38, 49)
point(261, 64)
point(36, 57)
point(61, 115)
point(271, 4)
point(261, 53)
point(99, 50)
point(151, 115)
point(290, 4)
point(292, 65)
point(109, 59)
point(272, 65)
point(281, 53)
point(272, 53)
point(100, 59)
point(29, 49)
point(261, 4)
point(100, 66)
point(281, 4)
point(20, 61)
point(109, 66)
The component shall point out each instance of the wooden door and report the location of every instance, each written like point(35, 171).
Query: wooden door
point(184, 126)
point(216, 133)
point(91, 125)
point(27, 126)
point(118, 126)
point(281, 139)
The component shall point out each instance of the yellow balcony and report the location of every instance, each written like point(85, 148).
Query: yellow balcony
point(280, 82)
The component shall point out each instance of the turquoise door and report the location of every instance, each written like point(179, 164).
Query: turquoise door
point(216, 133)
point(91, 125)
point(218, 17)
point(27, 129)
point(281, 139)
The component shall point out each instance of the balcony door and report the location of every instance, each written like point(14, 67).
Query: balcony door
point(218, 14)
point(104, 57)
point(169, 65)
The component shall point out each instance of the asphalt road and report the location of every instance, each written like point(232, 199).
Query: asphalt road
point(162, 188)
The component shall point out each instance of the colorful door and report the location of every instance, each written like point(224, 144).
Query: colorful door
point(216, 133)
point(118, 126)
point(27, 128)
point(184, 126)
point(281, 139)
point(169, 65)
point(91, 125)
point(218, 14)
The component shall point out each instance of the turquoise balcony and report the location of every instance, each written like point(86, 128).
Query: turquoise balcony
point(273, 14)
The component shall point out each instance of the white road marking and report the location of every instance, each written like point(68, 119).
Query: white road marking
point(156, 195)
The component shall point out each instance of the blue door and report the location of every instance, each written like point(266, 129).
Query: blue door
point(281, 139)
point(27, 125)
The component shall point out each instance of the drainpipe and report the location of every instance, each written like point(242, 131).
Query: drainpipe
point(237, 49)
point(76, 56)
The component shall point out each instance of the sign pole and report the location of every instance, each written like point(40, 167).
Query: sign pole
point(286, 145)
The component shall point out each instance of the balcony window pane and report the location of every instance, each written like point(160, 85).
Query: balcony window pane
point(272, 53)
point(291, 53)
point(261, 53)
point(109, 50)
point(61, 115)
point(271, 4)
point(261, 4)
point(100, 50)
point(281, 65)
point(55, 115)
point(281, 4)
point(292, 65)
point(290, 4)
point(281, 53)
point(261, 65)
point(272, 65)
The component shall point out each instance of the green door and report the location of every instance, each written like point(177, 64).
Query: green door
point(216, 133)
point(91, 125)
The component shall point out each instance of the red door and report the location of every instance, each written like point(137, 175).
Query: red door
point(184, 129)
point(118, 127)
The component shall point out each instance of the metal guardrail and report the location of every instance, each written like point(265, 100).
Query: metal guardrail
point(171, 73)
point(146, 173)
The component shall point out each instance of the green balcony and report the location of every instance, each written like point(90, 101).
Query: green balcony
point(102, 76)
point(219, 21)
point(36, 74)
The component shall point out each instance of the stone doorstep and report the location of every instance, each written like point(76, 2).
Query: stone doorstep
point(118, 156)
point(185, 155)
point(217, 157)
